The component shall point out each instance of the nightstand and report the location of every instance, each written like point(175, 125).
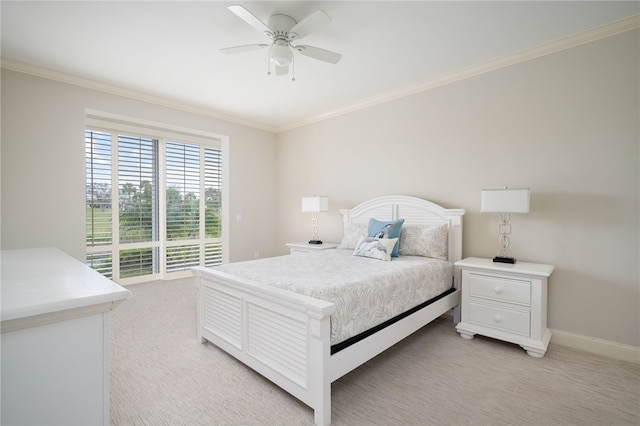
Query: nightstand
point(295, 248)
point(506, 302)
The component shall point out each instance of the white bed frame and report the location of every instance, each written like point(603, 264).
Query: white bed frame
point(286, 336)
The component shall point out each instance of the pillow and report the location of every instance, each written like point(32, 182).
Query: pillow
point(427, 241)
point(352, 234)
point(386, 229)
point(375, 248)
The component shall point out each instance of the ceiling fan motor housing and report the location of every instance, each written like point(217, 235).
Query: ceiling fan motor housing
point(280, 24)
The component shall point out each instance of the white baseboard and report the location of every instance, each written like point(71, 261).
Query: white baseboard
point(597, 346)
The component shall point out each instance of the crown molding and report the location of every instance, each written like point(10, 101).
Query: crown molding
point(616, 27)
point(50, 74)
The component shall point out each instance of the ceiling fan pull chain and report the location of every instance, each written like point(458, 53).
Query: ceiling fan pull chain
point(269, 62)
point(293, 68)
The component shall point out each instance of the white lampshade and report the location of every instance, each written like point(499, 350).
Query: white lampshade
point(317, 203)
point(504, 200)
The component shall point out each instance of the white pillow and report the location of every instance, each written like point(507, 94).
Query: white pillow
point(352, 234)
point(427, 241)
point(375, 248)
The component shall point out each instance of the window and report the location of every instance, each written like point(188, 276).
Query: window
point(153, 203)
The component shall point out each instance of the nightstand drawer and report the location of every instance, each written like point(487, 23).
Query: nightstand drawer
point(505, 319)
point(502, 289)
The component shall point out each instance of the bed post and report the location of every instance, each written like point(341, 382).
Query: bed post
point(319, 374)
point(455, 254)
point(199, 308)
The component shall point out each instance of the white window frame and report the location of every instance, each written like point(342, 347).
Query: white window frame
point(108, 122)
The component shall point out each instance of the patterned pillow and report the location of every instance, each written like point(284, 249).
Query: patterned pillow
point(352, 234)
point(386, 229)
point(427, 241)
point(375, 248)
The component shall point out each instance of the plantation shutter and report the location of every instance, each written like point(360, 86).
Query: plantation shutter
point(138, 204)
point(213, 206)
point(138, 181)
point(182, 204)
point(99, 224)
point(153, 199)
point(183, 191)
point(98, 185)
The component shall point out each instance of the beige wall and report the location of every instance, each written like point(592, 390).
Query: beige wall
point(43, 165)
point(566, 125)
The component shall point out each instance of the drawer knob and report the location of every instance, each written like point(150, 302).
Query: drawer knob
point(498, 289)
point(497, 318)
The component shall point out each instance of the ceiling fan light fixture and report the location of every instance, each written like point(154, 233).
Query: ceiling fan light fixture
point(281, 55)
point(282, 30)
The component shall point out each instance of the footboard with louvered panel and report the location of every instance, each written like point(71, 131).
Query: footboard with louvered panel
point(282, 335)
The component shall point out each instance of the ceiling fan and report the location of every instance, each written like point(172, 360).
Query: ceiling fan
point(283, 30)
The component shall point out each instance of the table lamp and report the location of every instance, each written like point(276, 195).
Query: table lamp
point(314, 205)
point(504, 201)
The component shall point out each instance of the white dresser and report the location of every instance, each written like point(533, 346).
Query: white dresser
point(55, 339)
point(505, 301)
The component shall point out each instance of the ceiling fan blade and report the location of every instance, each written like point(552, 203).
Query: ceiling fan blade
point(245, 48)
point(311, 23)
point(282, 70)
point(320, 54)
point(249, 18)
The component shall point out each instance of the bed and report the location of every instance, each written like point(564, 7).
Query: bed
point(296, 337)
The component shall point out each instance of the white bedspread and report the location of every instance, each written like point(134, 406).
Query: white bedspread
point(366, 291)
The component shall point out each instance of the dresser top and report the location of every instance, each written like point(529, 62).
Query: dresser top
point(537, 269)
point(45, 280)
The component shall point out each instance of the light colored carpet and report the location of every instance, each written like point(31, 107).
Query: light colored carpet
point(160, 375)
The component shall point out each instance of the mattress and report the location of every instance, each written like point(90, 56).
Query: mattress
point(366, 292)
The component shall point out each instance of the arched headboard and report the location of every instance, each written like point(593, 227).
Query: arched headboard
point(415, 211)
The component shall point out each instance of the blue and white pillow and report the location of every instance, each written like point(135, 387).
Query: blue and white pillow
point(386, 229)
point(375, 248)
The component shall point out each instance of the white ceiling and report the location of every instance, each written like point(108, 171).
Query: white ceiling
point(171, 49)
